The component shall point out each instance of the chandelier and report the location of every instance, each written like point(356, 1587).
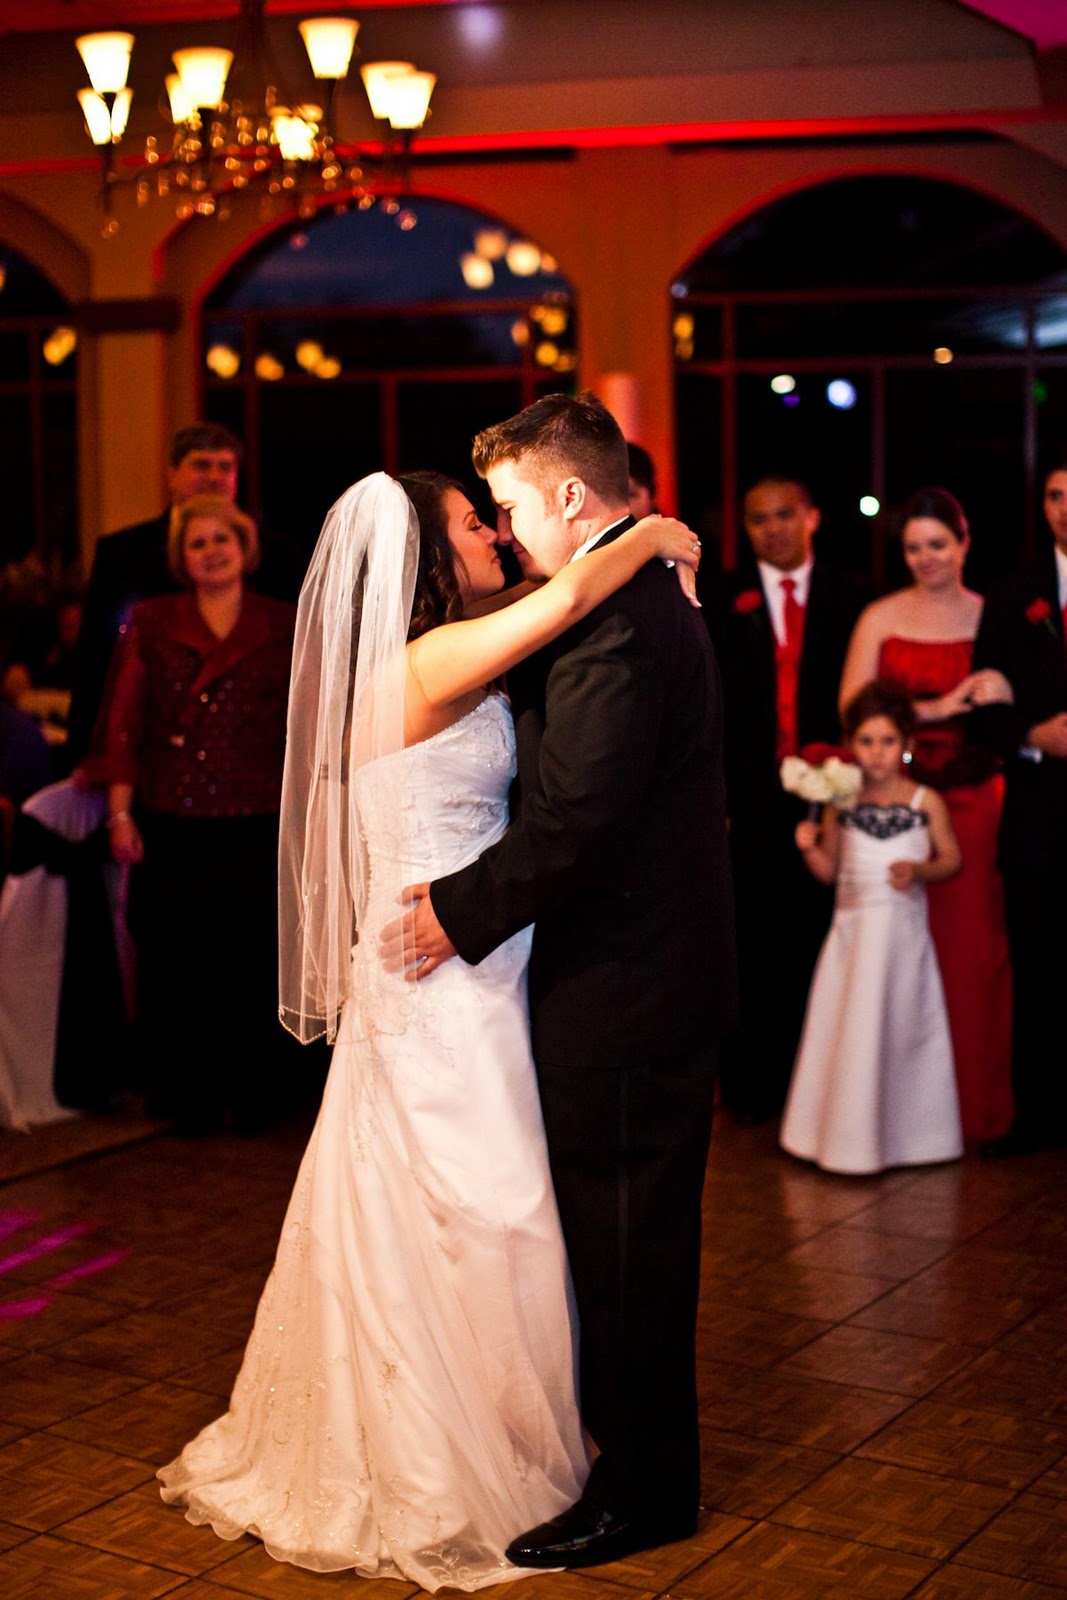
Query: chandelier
point(236, 126)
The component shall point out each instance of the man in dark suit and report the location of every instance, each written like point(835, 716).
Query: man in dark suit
point(131, 565)
point(781, 625)
point(617, 853)
point(1022, 635)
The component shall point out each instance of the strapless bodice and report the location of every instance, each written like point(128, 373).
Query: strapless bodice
point(433, 807)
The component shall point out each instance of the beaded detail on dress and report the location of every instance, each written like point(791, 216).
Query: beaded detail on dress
point(883, 822)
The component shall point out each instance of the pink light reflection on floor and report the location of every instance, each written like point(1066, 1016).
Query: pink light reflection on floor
point(45, 1245)
point(12, 1221)
point(87, 1268)
point(17, 1310)
point(31, 1305)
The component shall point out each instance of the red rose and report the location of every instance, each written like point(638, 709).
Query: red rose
point(816, 754)
point(1038, 610)
point(747, 601)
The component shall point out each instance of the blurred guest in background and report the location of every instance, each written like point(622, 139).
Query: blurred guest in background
point(131, 565)
point(921, 639)
point(781, 625)
point(191, 745)
point(642, 481)
point(1022, 636)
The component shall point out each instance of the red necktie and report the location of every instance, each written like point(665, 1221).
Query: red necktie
point(787, 664)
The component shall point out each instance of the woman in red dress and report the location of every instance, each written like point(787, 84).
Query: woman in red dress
point(921, 639)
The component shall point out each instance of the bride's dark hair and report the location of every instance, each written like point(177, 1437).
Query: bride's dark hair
point(437, 596)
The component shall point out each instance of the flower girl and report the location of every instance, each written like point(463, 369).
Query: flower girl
point(873, 1085)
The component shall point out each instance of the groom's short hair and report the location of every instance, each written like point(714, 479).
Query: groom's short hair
point(560, 436)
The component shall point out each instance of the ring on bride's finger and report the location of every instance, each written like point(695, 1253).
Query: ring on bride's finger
point(695, 547)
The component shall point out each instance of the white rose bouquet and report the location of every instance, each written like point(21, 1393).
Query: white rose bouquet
point(822, 775)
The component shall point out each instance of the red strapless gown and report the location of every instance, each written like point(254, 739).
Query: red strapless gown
point(967, 911)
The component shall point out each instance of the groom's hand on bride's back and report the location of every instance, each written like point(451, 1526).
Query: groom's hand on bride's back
point(415, 944)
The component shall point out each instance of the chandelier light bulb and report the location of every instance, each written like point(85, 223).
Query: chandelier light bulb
point(97, 116)
point(203, 71)
point(409, 99)
point(182, 108)
point(120, 113)
point(329, 42)
point(295, 136)
point(107, 59)
point(376, 77)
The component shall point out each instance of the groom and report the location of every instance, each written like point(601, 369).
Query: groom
point(617, 854)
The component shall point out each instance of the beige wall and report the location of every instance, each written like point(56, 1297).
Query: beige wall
point(622, 224)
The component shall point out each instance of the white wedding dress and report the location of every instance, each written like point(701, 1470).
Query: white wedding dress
point(407, 1403)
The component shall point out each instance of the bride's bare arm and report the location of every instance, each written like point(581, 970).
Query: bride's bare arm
point(451, 661)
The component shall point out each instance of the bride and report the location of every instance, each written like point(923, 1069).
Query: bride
point(407, 1404)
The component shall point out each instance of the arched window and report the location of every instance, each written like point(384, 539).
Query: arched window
point(38, 425)
point(873, 334)
point(380, 338)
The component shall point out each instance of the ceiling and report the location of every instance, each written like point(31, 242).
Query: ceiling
point(87, 16)
point(1043, 22)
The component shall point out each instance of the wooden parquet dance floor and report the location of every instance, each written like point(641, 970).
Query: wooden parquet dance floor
point(882, 1364)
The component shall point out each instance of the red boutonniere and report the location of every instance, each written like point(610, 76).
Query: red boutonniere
point(1039, 611)
point(747, 601)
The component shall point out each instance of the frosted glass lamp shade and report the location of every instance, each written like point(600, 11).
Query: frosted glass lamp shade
point(120, 113)
point(329, 42)
point(97, 116)
point(409, 99)
point(107, 59)
point(203, 71)
point(182, 108)
point(376, 77)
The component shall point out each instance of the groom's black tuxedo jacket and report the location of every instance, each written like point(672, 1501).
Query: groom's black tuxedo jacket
point(617, 846)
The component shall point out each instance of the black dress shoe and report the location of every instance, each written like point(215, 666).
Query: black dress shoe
point(588, 1535)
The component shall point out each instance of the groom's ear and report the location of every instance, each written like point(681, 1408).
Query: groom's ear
point(572, 494)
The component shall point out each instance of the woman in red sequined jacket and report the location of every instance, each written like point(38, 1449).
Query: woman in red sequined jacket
point(190, 743)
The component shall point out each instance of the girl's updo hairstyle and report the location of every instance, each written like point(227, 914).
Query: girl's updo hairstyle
point(878, 699)
point(941, 506)
point(437, 596)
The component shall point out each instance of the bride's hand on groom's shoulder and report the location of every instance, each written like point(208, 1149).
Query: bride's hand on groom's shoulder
point(676, 545)
point(415, 944)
